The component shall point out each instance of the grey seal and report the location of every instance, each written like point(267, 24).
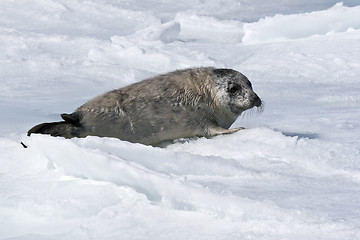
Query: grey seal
point(201, 102)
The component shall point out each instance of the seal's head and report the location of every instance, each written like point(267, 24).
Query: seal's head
point(234, 91)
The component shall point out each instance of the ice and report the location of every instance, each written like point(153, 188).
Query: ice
point(75, 18)
point(209, 29)
point(280, 27)
point(293, 173)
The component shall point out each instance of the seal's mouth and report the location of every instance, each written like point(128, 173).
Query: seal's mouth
point(260, 106)
point(257, 102)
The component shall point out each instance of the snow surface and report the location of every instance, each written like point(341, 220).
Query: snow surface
point(294, 173)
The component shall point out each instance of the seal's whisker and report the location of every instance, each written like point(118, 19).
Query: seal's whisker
point(260, 109)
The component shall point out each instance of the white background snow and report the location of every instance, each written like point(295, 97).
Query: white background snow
point(294, 173)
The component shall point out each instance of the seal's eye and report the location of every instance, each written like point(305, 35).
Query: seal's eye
point(234, 89)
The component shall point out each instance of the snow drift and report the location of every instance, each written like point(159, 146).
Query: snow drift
point(281, 27)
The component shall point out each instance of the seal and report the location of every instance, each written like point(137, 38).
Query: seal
point(201, 102)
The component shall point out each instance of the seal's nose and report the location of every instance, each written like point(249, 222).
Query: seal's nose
point(257, 101)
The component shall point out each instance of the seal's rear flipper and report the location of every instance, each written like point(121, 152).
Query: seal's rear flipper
point(37, 128)
point(71, 118)
point(55, 129)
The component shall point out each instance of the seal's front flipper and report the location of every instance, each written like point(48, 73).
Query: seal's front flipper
point(71, 118)
point(220, 131)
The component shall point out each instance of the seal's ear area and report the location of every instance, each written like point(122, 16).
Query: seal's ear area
point(71, 118)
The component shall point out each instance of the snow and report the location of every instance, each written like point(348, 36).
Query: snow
point(294, 173)
point(336, 19)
